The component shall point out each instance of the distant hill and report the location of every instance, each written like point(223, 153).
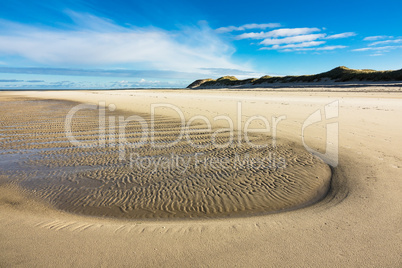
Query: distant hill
point(339, 74)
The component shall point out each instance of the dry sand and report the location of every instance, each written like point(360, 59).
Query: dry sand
point(359, 222)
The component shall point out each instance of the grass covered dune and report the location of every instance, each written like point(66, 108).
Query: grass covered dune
point(339, 74)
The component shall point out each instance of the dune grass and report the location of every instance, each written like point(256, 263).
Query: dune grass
point(338, 74)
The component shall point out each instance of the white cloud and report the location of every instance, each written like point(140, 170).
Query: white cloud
point(365, 49)
point(261, 26)
point(330, 47)
point(386, 42)
point(305, 44)
point(90, 22)
point(380, 47)
point(296, 39)
point(383, 49)
point(324, 48)
point(292, 39)
point(96, 42)
point(144, 84)
point(341, 35)
point(248, 27)
point(377, 37)
point(300, 45)
point(284, 32)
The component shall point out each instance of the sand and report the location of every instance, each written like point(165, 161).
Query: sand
point(357, 224)
point(207, 174)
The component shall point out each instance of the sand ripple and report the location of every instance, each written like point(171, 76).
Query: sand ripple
point(181, 181)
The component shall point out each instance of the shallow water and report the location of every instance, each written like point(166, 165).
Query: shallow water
point(181, 181)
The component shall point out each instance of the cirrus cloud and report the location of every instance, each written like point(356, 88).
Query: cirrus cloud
point(380, 47)
point(394, 41)
point(284, 32)
point(292, 39)
point(341, 35)
point(377, 37)
point(295, 39)
point(324, 48)
point(96, 42)
point(294, 46)
point(248, 27)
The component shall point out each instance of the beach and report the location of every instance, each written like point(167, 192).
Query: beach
point(349, 215)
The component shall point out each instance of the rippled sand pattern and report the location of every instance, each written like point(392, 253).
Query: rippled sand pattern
point(181, 181)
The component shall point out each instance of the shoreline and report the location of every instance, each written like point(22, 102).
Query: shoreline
point(272, 87)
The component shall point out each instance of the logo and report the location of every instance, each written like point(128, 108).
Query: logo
point(331, 113)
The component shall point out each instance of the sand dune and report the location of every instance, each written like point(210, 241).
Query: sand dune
point(357, 224)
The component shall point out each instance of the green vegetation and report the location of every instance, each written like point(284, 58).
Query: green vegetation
point(227, 78)
point(339, 74)
point(198, 83)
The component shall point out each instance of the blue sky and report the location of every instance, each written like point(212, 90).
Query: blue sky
point(120, 44)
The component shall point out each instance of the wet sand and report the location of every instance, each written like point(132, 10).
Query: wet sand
point(357, 223)
point(203, 175)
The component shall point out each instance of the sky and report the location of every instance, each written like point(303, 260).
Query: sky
point(88, 44)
